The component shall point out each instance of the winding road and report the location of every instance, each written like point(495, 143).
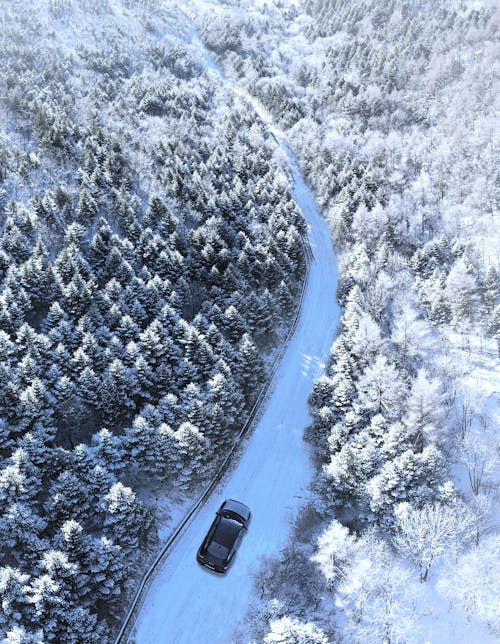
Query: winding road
point(185, 603)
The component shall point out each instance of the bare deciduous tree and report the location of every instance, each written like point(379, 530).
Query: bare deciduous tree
point(426, 534)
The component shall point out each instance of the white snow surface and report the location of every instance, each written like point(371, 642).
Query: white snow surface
point(187, 603)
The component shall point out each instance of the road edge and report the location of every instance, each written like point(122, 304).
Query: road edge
point(129, 619)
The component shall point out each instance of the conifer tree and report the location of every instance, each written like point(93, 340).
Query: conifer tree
point(234, 324)
point(68, 498)
point(15, 601)
point(109, 568)
point(127, 521)
point(191, 454)
point(285, 300)
point(119, 389)
point(141, 441)
point(251, 367)
point(87, 208)
point(22, 532)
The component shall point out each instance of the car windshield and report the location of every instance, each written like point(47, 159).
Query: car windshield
point(232, 515)
point(226, 532)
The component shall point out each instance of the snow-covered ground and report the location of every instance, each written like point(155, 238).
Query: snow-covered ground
point(477, 364)
point(187, 603)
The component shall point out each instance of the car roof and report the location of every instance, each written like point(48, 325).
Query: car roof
point(226, 532)
point(235, 506)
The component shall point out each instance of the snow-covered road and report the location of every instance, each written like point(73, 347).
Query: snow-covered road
point(186, 603)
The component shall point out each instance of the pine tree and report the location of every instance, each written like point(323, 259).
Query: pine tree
point(409, 477)
point(185, 373)
point(323, 426)
point(87, 208)
point(109, 569)
point(68, 498)
point(82, 460)
point(29, 369)
point(127, 521)
point(395, 441)
point(157, 214)
point(79, 548)
point(169, 409)
point(234, 324)
point(322, 392)
point(54, 316)
point(97, 480)
point(4, 264)
point(78, 296)
point(128, 330)
point(19, 635)
point(10, 391)
point(101, 246)
point(267, 319)
point(119, 389)
point(22, 532)
point(145, 378)
point(462, 293)
point(353, 312)
point(68, 263)
point(366, 341)
point(251, 367)
point(285, 300)
point(141, 441)
point(152, 343)
point(59, 620)
point(191, 341)
point(89, 387)
point(15, 302)
point(344, 392)
point(14, 599)
point(8, 349)
point(20, 481)
point(64, 390)
point(130, 211)
point(168, 456)
point(34, 406)
point(223, 391)
point(37, 277)
point(80, 625)
point(253, 313)
point(81, 361)
point(64, 572)
point(192, 450)
point(342, 475)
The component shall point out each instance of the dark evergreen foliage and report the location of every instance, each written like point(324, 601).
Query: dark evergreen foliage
point(144, 242)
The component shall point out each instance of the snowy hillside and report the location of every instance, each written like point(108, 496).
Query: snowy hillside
point(390, 110)
point(272, 476)
point(166, 170)
point(151, 257)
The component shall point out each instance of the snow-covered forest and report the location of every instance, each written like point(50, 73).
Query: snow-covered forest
point(390, 110)
point(151, 262)
point(150, 259)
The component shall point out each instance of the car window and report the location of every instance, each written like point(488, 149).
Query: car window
point(216, 550)
point(232, 515)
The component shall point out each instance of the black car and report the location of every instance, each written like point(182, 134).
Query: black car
point(222, 540)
